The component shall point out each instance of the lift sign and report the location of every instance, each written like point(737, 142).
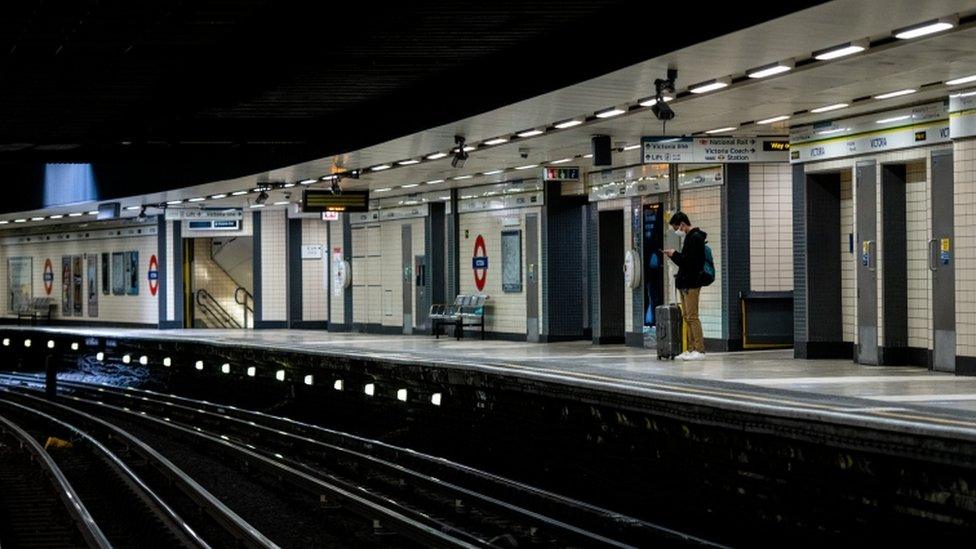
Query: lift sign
point(153, 275)
point(48, 276)
point(479, 263)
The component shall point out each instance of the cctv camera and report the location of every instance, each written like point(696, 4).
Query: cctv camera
point(523, 152)
point(662, 111)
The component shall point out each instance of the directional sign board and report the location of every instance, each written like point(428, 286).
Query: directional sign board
point(728, 149)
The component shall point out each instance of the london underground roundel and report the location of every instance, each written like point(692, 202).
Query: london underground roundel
point(48, 276)
point(153, 275)
point(479, 263)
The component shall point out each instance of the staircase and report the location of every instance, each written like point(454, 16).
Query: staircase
point(221, 300)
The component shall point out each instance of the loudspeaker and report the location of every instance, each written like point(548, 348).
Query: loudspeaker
point(601, 150)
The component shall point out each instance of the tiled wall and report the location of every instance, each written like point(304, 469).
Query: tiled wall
point(506, 311)
point(704, 208)
point(391, 279)
point(315, 284)
point(848, 270)
point(138, 309)
point(209, 276)
point(918, 226)
point(964, 158)
point(274, 280)
point(337, 305)
point(771, 227)
point(169, 270)
point(367, 270)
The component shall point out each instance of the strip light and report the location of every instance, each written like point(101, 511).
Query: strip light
point(568, 123)
point(894, 119)
point(531, 133)
point(610, 113)
point(721, 130)
point(898, 93)
point(711, 85)
point(779, 118)
point(829, 108)
point(561, 161)
point(769, 70)
point(927, 28)
point(496, 141)
point(408, 162)
point(380, 168)
point(963, 80)
point(436, 156)
point(651, 101)
point(843, 50)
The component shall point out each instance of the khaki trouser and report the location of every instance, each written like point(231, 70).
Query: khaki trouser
point(689, 309)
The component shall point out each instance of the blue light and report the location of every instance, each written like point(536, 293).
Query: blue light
point(68, 184)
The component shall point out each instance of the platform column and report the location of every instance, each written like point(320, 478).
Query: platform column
point(563, 272)
point(735, 253)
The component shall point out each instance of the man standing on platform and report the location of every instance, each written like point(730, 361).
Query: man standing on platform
point(692, 262)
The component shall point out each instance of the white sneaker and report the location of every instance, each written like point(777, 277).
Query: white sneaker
point(695, 355)
point(683, 356)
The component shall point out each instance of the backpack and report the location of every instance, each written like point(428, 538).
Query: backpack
point(708, 269)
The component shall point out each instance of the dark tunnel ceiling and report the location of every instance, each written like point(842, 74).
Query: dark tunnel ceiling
point(176, 93)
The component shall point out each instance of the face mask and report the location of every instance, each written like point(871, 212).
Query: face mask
point(679, 232)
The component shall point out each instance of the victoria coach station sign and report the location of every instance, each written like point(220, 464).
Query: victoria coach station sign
point(891, 130)
point(723, 150)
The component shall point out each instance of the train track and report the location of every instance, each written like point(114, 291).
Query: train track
point(421, 493)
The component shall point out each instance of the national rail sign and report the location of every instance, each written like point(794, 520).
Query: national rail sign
point(701, 150)
point(479, 263)
point(153, 275)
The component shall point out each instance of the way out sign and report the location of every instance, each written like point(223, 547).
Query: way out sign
point(479, 263)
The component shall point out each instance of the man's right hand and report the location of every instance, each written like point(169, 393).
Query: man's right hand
point(669, 252)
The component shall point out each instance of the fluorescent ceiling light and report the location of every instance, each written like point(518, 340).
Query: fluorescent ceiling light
point(568, 123)
point(39, 218)
point(383, 190)
point(257, 206)
point(526, 167)
point(287, 185)
point(174, 202)
point(410, 185)
point(828, 108)
point(20, 221)
point(308, 181)
point(963, 80)
point(280, 203)
point(496, 141)
point(218, 196)
point(493, 172)
point(632, 147)
point(408, 162)
point(769, 70)
point(963, 94)
point(840, 51)
point(720, 130)
point(130, 208)
point(589, 155)
point(924, 29)
point(380, 168)
point(436, 156)
point(328, 177)
point(93, 212)
point(4, 222)
point(711, 85)
point(530, 133)
point(235, 193)
point(834, 130)
point(197, 199)
point(561, 161)
point(779, 118)
point(611, 112)
point(75, 214)
point(57, 216)
point(651, 101)
point(894, 119)
point(462, 177)
point(435, 181)
point(898, 93)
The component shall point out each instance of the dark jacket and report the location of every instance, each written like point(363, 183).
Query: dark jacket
point(690, 260)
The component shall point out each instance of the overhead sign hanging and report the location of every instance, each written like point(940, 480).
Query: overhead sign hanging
point(322, 200)
point(726, 150)
point(962, 114)
point(561, 173)
point(887, 131)
point(204, 214)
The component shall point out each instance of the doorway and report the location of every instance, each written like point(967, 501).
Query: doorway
point(218, 282)
point(611, 251)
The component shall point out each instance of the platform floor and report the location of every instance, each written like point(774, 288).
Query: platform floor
point(770, 379)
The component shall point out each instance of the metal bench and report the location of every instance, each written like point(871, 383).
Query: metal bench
point(38, 308)
point(467, 310)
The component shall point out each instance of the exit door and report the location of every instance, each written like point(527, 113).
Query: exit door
point(867, 262)
point(532, 277)
point(420, 290)
point(941, 258)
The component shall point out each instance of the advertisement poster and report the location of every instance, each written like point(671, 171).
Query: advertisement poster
point(20, 281)
point(118, 273)
point(77, 284)
point(92, 260)
point(106, 274)
point(66, 285)
point(132, 273)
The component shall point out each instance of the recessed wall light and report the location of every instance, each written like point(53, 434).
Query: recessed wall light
point(722, 130)
point(611, 112)
point(829, 108)
point(832, 131)
point(963, 80)
point(711, 85)
point(842, 50)
point(568, 123)
point(898, 93)
point(924, 29)
point(893, 119)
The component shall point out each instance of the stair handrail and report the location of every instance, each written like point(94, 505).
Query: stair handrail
point(244, 298)
point(209, 305)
